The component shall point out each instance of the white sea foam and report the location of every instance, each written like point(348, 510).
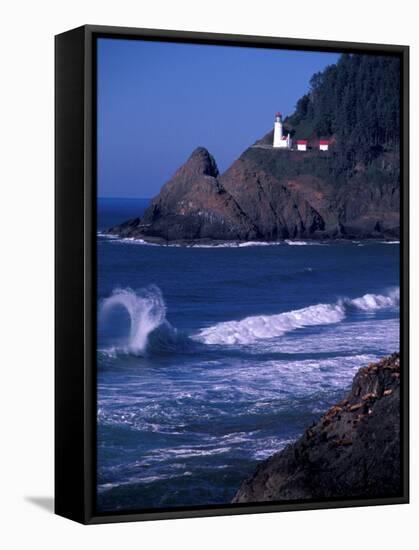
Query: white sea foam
point(258, 243)
point(358, 337)
point(132, 240)
point(259, 327)
point(372, 302)
point(236, 244)
point(107, 235)
point(291, 242)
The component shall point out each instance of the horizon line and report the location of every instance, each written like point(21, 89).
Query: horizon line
point(126, 198)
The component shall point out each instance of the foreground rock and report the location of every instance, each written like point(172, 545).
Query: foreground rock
point(353, 451)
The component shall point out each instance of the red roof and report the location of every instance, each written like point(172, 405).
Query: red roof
point(278, 114)
point(302, 141)
point(324, 142)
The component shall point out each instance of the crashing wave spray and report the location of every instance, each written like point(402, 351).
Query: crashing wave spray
point(146, 310)
point(373, 302)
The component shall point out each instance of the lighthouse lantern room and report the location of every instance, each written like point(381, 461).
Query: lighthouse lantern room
point(281, 140)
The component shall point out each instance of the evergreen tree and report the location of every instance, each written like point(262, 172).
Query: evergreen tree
point(356, 101)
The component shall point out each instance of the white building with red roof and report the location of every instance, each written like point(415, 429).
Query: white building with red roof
point(302, 144)
point(324, 144)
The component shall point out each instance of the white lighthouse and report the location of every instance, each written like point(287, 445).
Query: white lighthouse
point(280, 140)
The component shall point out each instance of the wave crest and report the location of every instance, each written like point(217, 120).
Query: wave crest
point(252, 329)
point(372, 302)
point(147, 313)
point(260, 327)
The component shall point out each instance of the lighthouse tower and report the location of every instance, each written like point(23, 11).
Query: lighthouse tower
point(280, 140)
point(278, 130)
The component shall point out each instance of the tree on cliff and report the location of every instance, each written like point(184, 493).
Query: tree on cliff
point(357, 101)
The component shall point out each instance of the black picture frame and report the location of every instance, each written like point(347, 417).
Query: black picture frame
point(75, 270)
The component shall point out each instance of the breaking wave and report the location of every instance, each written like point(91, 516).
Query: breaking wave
point(253, 329)
point(372, 302)
point(149, 328)
point(150, 332)
point(260, 327)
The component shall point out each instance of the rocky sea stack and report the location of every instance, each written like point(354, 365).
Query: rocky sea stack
point(191, 206)
point(352, 451)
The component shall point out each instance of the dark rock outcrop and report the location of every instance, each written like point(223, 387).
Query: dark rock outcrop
point(353, 451)
point(191, 206)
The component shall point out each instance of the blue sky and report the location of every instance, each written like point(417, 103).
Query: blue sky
point(158, 101)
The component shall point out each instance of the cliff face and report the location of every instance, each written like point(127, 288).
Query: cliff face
point(353, 451)
point(294, 194)
point(277, 207)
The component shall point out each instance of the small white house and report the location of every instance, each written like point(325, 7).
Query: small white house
point(302, 144)
point(324, 144)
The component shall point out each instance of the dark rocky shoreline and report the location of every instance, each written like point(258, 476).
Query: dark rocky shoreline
point(352, 451)
point(237, 243)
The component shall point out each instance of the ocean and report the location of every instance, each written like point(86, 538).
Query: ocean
point(212, 358)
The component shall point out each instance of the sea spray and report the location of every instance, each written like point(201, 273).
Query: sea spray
point(373, 302)
point(146, 310)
